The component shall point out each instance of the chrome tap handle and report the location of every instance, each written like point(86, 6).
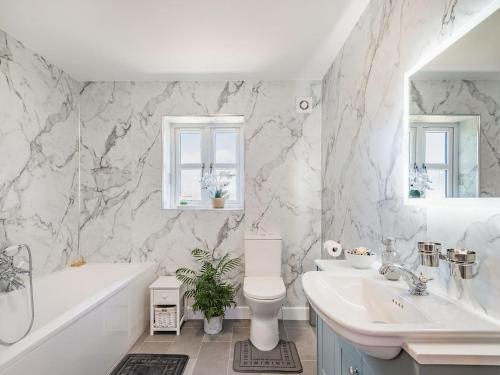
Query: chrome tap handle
point(9, 272)
point(417, 284)
point(424, 279)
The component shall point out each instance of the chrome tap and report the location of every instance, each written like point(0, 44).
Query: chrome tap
point(9, 273)
point(417, 284)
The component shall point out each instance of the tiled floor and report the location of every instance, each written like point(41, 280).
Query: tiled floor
point(213, 355)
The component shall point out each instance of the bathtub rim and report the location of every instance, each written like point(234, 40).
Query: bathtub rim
point(11, 354)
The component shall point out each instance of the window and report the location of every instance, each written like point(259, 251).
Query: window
point(198, 146)
point(432, 148)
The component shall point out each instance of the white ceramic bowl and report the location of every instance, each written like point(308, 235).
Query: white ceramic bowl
point(360, 261)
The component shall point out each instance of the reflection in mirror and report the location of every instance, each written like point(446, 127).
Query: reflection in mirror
point(454, 125)
point(444, 160)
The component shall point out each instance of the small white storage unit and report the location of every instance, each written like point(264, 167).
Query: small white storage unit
point(167, 305)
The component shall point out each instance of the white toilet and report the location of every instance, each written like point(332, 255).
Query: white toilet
point(263, 288)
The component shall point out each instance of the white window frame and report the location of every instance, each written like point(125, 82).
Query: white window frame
point(207, 126)
point(417, 152)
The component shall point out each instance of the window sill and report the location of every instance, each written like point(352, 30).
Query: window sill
point(180, 208)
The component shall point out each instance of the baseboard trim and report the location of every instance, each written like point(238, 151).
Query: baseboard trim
point(243, 312)
point(295, 313)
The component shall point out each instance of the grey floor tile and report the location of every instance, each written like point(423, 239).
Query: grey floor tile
point(193, 323)
point(305, 341)
point(297, 323)
point(155, 347)
point(241, 322)
point(226, 334)
point(136, 348)
point(190, 329)
point(230, 370)
point(213, 359)
point(239, 334)
point(309, 368)
point(190, 367)
point(161, 337)
point(189, 342)
point(137, 345)
point(282, 330)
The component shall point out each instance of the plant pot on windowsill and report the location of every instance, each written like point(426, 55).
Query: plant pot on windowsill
point(218, 202)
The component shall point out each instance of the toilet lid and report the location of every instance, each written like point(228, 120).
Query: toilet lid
point(264, 287)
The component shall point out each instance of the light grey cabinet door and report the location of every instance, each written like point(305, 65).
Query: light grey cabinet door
point(326, 349)
point(347, 359)
point(319, 346)
point(366, 370)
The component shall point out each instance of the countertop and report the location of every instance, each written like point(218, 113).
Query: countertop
point(485, 354)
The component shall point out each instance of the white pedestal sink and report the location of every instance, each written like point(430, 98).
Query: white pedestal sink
point(381, 317)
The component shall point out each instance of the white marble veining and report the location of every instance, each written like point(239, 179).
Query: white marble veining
point(121, 215)
point(362, 138)
point(39, 154)
point(467, 97)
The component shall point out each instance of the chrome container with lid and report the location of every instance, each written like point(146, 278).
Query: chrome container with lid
point(462, 262)
point(429, 253)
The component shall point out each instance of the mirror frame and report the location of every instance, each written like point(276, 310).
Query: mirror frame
point(424, 60)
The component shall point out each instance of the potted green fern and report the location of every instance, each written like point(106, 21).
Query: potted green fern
point(208, 287)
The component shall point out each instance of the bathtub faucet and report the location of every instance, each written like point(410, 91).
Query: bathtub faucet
point(10, 279)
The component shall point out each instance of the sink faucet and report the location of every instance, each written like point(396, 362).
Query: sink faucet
point(417, 284)
point(9, 273)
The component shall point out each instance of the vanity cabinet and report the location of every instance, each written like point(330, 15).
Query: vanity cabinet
point(336, 356)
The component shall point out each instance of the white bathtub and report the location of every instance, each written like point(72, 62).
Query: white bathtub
point(85, 320)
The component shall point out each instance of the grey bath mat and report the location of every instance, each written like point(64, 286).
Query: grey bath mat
point(151, 364)
point(282, 359)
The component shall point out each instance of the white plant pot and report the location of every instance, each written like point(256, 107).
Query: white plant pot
point(213, 326)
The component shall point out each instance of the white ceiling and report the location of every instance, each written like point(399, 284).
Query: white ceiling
point(121, 40)
point(474, 56)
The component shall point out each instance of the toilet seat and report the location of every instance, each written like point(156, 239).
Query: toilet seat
point(264, 287)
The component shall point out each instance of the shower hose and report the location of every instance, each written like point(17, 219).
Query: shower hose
point(30, 274)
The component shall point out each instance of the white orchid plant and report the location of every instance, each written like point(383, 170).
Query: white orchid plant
point(217, 184)
point(419, 181)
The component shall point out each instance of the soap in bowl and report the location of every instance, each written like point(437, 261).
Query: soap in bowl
point(360, 257)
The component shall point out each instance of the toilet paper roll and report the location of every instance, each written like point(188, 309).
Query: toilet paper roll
point(333, 248)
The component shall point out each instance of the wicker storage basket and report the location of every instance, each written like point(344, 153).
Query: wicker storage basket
point(165, 317)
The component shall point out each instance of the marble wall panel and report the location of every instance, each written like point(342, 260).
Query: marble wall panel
point(39, 156)
point(121, 162)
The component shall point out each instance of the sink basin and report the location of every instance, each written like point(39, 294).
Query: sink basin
point(380, 317)
point(374, 301)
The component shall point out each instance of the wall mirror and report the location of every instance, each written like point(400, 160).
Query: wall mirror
point(454, 119)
